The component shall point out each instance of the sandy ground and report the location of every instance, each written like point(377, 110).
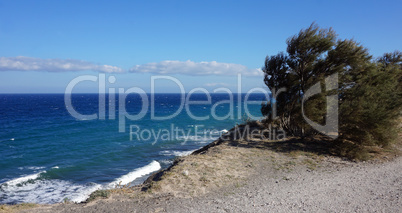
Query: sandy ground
point(244, 177)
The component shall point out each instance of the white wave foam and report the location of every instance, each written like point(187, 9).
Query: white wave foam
point(190, 137)
point(176, 153)
point(45, 191)
point(166, 161)
point(23, 179)
point(31, 167)
point(199, 138)
point(35, 167)
point(130, 177)
point(33, 189)
point(84, 193)
point(224, 131)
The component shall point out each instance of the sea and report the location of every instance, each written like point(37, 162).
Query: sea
point(57, 147)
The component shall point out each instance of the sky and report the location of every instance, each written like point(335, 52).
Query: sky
point(45, 45)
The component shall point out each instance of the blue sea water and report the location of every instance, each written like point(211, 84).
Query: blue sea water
point(47, 155)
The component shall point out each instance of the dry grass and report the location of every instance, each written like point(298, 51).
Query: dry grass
point(230, 163)
point(197, 174)
point(17, 207)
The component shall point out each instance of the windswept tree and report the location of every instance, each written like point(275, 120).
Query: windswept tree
point(369, 91)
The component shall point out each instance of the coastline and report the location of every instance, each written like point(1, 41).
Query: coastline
point(254, 175)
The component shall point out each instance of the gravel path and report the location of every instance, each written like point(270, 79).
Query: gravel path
point(348, 188)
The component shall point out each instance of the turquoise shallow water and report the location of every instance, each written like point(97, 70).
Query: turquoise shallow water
point(47, 155)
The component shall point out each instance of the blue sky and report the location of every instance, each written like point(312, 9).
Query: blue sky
point(46, 44)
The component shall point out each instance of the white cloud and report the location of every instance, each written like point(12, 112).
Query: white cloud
point(195, 68)
point(22, 63)
point(216, 84)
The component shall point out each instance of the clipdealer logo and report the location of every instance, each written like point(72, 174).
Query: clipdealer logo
point(148, 106)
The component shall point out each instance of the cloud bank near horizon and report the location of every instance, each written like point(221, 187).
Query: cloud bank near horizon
point(213, 68)
point(195, 68)
point(217, 84)
point(23, 63)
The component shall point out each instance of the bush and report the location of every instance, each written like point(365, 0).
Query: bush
point(98, 194)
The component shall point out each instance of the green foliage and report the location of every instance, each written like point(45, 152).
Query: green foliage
point(369, 90)
point(98, 194)
point(66, 200)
